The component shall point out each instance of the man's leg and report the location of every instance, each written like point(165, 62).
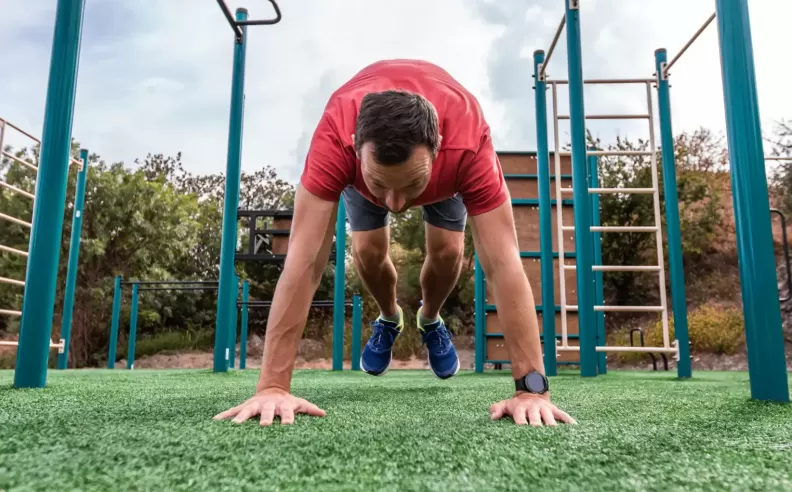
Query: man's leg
point(370, 240)
point(445, 244)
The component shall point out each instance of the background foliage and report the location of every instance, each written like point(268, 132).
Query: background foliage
point(157, 221)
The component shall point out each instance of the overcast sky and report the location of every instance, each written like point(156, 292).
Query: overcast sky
point(155, 75)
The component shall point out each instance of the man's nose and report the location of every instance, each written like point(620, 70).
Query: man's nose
point(395, 201)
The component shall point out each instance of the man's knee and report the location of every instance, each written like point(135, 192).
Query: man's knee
point(446, 255)
point(370, 248)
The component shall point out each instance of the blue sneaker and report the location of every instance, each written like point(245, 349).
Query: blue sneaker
point(378, 352)
point(443, 358)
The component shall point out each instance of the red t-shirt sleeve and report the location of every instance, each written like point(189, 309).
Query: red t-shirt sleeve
point(481, 181)
point(328, 165)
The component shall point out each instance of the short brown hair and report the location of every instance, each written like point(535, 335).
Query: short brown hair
point(396, 122)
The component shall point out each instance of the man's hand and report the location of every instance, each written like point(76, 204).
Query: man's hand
point(269, 403)
point(527, 408)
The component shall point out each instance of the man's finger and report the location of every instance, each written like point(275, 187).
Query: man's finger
point(518, 414)
point(563, 416)
point(310, 409)
point(534, 416)
point(497, 410)
point(286, 412)
point(547, 416)
point(229, 413)
point(247, 412)
point(267, 414)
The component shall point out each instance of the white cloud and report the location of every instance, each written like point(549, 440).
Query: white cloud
point(155, 76)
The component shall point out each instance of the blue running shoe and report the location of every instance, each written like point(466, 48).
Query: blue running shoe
point(443, 358)
point(378, 352)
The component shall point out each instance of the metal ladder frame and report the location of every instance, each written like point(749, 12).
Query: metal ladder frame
point(668, 346)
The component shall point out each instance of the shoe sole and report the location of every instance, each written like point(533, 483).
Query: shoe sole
point(446, 377)
point(362, 367)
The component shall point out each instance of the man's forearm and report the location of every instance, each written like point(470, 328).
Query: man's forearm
point(517, 315)
point(288, 314)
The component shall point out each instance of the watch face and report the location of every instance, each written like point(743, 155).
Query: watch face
point(535, 382)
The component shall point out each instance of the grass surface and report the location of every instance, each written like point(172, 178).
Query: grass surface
point(152, 430)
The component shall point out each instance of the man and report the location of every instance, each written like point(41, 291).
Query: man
point(399, 134)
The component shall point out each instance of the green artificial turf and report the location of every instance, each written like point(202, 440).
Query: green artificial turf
point(152, 430)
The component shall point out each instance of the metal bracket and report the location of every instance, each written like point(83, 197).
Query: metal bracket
point(675, 344)
point(62, 347)
point(663, 75)
point(574, 4)
point(541, 76)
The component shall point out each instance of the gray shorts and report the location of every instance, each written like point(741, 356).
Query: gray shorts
point(363, 215)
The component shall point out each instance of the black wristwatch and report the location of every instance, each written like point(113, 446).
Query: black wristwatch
point(533, 382)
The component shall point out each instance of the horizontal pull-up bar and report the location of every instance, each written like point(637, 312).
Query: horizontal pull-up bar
point(552, 47)
point(605, 81)
point(688, 45)
point(236, 25)
point(169, 282)
point(178, 288)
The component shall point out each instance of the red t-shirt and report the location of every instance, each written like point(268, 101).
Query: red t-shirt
point(466, 163)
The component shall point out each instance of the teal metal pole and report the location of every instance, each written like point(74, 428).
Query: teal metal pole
point(357, 331)
point(38, 304)
point(583, 244)
point(117, 293)
point(226, 289)
point(74, 257)
point(673, 228)
point(479, 304)
point(339, 289)
point(599, 295)
point(243, 336)
point(545, 219)
point(232, 333)
point(761, 306)
point(133, 316)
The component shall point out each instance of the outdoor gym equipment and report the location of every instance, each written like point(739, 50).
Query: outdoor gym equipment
point(32, 355)
point(764, 339)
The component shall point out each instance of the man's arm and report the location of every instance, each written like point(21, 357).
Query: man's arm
point(495, 240)
point(310, 240)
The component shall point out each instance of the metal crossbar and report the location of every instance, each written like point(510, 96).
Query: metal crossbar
point(12, 281)
point(605, 81)
point(17, 190)
point(13, 343)
point(670, 64)
point(610, 117)
point(15, 251)
point(10, 312)
point(614, 191)
point(543, 68)
point(15, 220)
point(667, 347)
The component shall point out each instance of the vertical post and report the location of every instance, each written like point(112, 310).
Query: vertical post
point(480, 306)
point(763, 335)
point(38, 303)
point(226, 289)
point(74, 257)
point(583, 242)
point(599, 295)
point(244, 329)
point(545, 219)
point(111, 352)
point(232, 326)
point(673, 229)
point(133, 316)
point(357, 329)
point(339, 288)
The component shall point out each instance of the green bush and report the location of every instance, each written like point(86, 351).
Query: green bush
point(712, 330)
point(170, 341)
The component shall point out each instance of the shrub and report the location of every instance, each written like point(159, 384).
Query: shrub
point(712, 330)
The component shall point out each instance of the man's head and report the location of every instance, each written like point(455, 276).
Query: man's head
point(397, 137)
